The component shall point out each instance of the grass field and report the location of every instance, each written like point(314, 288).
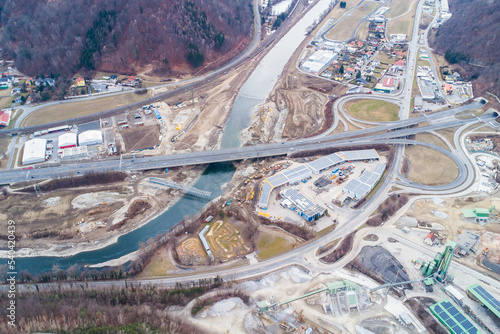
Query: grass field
point(439, 62)
point(19, 156)
point(6, 101)
point(158, 266)
point(344, 29)
point(271, 245)
point(4, 143)
point(141, 137)
point(398, 7)
point(449, 134)
point(64, 111)
point(362, 32)
point(430, 167)
point(431, 139)
point(3, 162)
point(373, 110)
point(403, 24)
point(385, 59)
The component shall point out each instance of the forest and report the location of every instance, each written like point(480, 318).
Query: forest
point(122, 36)
point(469, 41)
point(128, 309)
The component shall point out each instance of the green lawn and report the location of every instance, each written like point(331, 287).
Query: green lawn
point(398, 7)
point(271, 245)
point(373, 110)
point(59, 112)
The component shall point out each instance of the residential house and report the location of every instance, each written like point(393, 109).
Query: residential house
point(431, 239)
point(400, 64)
point(399, 54)
point(448, 89)
point(80, 82)
point(49, 82)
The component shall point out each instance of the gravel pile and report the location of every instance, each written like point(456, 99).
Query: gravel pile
point(268, 280)
point(296, 274)
point(407, 221)
point(440, 214)
point(90, 200)
point(437, 227)
point(49, 202)
point(224, 306)
point(248, 286)
point(438, 201)
point(253, 324)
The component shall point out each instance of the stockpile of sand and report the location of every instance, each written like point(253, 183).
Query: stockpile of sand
point(90, 200)
point(492, 242)
point(52, 201)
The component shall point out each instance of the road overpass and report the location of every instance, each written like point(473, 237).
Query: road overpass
point(358, 138)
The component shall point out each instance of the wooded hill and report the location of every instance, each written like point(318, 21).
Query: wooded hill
point(470, 39)
point(122, 36)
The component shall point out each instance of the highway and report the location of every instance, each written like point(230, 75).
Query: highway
point(394, 133)
point(251, 51)
point(398, 129)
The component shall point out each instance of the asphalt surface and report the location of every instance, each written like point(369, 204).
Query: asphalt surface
point(402, 129)
point(390, 133)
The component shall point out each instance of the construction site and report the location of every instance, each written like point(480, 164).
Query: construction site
point(295, 300)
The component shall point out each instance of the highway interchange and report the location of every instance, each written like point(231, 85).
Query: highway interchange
point(396, 133)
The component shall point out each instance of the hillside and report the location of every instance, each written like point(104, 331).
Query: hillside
point(123, 36)
point(470, 39)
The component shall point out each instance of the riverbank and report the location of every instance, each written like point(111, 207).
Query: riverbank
point(96, 240)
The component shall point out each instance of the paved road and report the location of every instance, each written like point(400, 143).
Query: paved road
point(361, 137)
point(302, 255)
point(251, 51)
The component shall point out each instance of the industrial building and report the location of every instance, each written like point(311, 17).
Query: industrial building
point(439, 266)
point(317, 62)
point(386, 85)
point(297, 202)
point(426, 89)
point(359, 188)
point(205, 243)
point(34, 151)
point(466, 241)
point(478, 215)
point(67, 140)
point(314, 167)
point(452, 318)
point(91, 137)
point(478, 293)
point(286, 177)
point(75, 152)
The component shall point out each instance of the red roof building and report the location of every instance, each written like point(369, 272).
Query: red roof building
point(388, 82)
point(4, 118)
point(400, 62)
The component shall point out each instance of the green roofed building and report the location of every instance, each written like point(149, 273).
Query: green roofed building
point(478, 293)
point(341, 286)
point(479, 215)
point(452, 318)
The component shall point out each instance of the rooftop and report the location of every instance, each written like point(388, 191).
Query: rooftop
point(452, 318)
point(486, 298)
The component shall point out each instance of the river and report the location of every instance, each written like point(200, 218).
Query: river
point(253, 92)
